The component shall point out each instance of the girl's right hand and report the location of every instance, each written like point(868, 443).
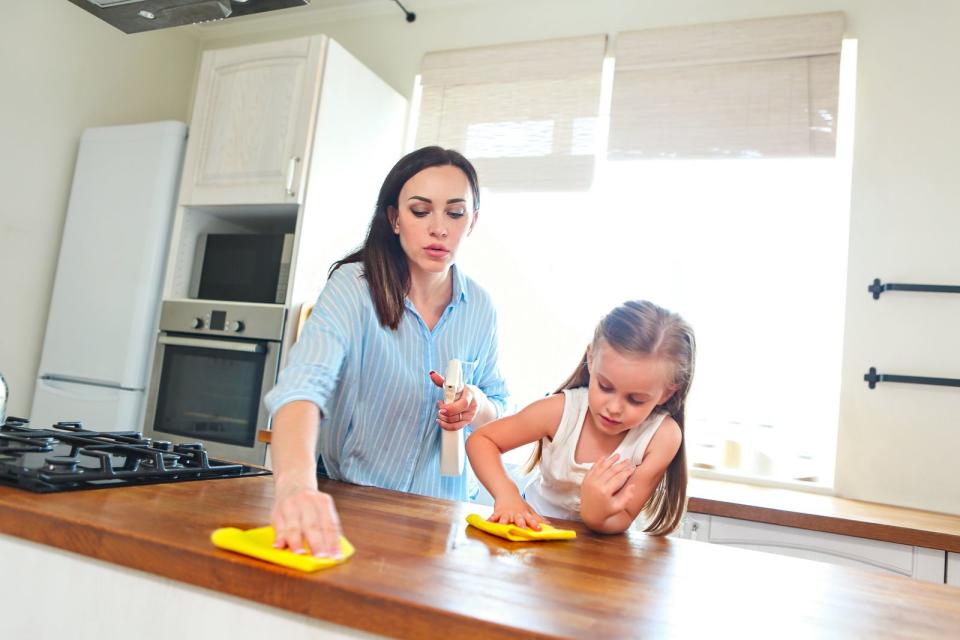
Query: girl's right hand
point(301, 514)
point(514, 510)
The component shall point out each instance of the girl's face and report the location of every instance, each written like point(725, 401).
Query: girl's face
point(434, 214)
point(625, 389)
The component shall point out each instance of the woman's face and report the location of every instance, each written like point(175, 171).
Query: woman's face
point(435, 213)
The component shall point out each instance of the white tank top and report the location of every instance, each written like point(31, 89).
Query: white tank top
point(555, 491)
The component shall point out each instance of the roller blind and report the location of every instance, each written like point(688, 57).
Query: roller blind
point(525, 114)
point(755, 88)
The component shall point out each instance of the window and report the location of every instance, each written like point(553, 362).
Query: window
point(752, 252)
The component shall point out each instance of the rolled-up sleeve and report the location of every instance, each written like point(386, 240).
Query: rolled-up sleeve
point(314, 364)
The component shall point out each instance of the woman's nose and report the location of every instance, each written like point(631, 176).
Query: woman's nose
point(438, 230)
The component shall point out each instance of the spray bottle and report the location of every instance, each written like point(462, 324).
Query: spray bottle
point(451, 442)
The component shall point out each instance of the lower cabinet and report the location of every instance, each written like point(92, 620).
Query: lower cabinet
point(905, 560)
point(953, 569)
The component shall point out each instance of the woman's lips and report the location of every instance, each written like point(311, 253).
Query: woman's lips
point(436, 251)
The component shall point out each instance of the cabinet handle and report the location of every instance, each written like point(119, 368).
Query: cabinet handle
point(291, 171)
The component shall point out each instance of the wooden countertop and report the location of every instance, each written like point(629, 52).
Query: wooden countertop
point(825, 513)
point(817, 512)
point(420, 572)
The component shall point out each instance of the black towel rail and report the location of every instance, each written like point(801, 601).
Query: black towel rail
point(877, 288)
point(872, 378)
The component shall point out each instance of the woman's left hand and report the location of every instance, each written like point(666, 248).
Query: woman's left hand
point(460, 412)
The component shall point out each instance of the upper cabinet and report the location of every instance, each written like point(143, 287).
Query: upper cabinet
point(251, 124)
point(287, 137)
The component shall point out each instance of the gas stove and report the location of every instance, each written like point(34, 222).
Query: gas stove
point(67, 457)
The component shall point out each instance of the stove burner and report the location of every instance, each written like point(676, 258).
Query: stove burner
point(61, 464)
point(67, 456)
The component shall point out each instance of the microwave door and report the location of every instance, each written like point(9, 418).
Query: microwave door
point(241, 267)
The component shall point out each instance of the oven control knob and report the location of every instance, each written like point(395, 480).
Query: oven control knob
point(238, 326)
point(197, 323)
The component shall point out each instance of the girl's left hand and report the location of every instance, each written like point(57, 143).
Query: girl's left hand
point(603, 483)
point(460, 412)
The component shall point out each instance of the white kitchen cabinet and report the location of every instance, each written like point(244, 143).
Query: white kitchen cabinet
point(953, 569)
point(340, 123)
point(125, 598)
point(251, 124)
point(694, 526)
point(916, 562)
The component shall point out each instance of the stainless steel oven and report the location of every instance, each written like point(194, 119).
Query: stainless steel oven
point(214, 362)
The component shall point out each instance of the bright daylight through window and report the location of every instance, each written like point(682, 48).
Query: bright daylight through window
point(752, 252)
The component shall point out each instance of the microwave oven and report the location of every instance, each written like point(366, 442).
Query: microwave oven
point(242, 267)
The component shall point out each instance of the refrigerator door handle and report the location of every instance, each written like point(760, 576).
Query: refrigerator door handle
point(205, 343)
point(47, 377)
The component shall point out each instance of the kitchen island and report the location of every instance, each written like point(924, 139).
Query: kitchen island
point(420, 572)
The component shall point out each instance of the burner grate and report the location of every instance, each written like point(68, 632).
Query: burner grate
point(68, 457)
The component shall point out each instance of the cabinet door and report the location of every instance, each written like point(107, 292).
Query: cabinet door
point(953, 569)
point(251, 123)
point(905, 560)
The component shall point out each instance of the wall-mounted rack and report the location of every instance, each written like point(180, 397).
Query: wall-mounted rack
point(877, 288)
point(872, 378)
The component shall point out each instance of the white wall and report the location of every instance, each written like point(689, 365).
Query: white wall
point(897, 444)
point(62, 70)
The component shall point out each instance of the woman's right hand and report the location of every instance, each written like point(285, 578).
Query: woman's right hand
point(301, 513)
point(514, 510)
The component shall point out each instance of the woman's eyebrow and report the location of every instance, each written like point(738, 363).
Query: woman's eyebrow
point(429, 201)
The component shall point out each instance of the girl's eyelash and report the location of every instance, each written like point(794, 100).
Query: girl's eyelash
point(455, 214)
point(419, 214)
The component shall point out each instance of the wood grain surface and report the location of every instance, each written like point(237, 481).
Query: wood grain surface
point(420, 572)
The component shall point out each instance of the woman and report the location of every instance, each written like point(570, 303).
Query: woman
point(391, 314)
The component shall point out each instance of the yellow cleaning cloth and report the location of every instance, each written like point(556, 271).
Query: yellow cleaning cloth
point(259, 544)
point(516, 534)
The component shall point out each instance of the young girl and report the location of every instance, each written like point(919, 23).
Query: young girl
point(610, 441)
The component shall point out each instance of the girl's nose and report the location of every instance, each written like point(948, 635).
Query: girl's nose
point(613, 408)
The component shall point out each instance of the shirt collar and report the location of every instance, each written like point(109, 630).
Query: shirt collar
point(459, 285)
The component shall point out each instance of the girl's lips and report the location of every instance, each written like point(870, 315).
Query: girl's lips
point(607, 421)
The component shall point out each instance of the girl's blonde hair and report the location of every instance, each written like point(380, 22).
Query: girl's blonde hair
point(641, 328)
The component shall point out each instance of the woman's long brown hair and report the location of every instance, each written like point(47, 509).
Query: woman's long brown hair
point(641, 328)
point(385, 265)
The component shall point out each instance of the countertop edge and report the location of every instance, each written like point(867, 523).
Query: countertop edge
point(841, 525)
point(225, 572)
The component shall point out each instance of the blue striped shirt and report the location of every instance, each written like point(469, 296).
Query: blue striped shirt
point(379, 406)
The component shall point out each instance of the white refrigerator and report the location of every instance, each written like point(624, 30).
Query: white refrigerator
point(103, 315)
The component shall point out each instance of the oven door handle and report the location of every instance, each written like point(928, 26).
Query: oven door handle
point(204, 343)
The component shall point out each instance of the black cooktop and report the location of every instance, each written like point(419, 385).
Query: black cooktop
point(67, 457)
